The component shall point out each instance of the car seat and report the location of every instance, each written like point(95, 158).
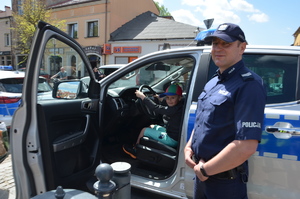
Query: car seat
point(155, 153)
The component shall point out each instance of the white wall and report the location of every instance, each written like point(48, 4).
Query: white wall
point(147, 47)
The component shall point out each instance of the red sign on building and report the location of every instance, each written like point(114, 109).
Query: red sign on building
point(127, 49)
point(107, 49)
point(117, 49)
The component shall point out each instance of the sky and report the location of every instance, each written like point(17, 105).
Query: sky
point(4, 3)
point(264, 22)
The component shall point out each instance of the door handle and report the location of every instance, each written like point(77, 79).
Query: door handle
point(283, 130)
point(271, 129)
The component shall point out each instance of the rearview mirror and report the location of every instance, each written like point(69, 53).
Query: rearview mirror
point(158, 66)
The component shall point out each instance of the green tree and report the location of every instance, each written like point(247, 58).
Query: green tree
point(25, 23)
point(163, 11)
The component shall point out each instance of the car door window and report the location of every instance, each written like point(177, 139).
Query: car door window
point(279, 73)
point(58, 54)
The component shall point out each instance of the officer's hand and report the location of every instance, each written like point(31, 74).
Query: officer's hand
point(198, 172)
point(188, 153)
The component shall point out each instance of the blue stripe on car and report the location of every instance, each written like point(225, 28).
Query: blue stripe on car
point(270, 146)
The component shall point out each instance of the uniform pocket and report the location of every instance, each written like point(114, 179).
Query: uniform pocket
point(222, 109)
point(218, 100)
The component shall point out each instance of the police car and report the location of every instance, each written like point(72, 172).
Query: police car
point(11, 85)
point(61, 142)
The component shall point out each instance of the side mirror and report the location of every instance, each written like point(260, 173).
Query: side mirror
point(70, 89)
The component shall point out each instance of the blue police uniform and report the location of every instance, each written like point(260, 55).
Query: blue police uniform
point(231, 107)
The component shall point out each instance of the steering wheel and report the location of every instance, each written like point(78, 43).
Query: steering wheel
point(143, 107)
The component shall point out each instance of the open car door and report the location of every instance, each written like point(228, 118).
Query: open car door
point(55, 142)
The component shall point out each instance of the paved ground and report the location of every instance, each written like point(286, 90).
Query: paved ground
point(7, 184)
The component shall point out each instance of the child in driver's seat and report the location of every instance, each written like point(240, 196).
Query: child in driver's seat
point(171, 108)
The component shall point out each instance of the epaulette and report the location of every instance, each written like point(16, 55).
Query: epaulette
point(247, 76)
point(216, 74)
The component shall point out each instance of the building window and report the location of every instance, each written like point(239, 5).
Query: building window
point(92, 30)
point(20, 10)
point(8, 60)
point(7, 39)
point(3, 60)
point(73, 30)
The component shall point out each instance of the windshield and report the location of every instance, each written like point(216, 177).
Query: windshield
point(44, 86)
point(11, 85)
point(155, 72)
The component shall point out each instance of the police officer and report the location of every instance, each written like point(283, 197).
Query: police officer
point(229, 119)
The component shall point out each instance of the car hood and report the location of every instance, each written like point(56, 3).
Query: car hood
point(45, 96)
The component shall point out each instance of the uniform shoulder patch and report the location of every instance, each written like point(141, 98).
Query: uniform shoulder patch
point(246, 76)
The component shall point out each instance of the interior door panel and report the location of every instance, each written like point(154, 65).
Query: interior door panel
point(69, 135)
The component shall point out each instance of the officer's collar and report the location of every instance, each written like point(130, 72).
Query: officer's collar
point(229, 72)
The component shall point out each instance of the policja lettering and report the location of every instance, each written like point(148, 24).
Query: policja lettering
point(251, 124)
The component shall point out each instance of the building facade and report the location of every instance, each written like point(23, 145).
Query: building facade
point(297, 37)
point(5, 37)
point(90, 22)
point(148, 33)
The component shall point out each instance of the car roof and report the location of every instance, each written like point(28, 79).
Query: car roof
point(14, 74)
point(11, 74)
point(112, 66)
point(249, 49)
